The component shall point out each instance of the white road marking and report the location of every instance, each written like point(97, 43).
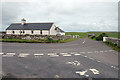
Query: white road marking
point(114, 67)
point(85, 56)
point(76, 63)
point(74, 53)
point(84, 41)
point(91, 58)
point(9, 55)
point(23, 55)
point(98, 61)
point(38, 54)
point(63, 53)
point(83, 73)
point(57, 76)
point(67, 55)
point(53, 55)
point(95, 71)
point(77, 54)
point(1, 53)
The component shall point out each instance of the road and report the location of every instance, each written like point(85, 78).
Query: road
point(77, 59)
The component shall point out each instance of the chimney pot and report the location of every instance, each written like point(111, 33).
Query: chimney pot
point(23, 21)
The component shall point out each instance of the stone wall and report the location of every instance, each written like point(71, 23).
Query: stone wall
point(113, 40)
point(36, 37)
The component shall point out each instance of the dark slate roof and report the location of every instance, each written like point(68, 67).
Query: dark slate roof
point(58, 29)
point(30, 26)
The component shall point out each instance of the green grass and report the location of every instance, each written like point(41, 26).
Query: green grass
point(110, 34)
point(81, 34)
point(112, 45)
point(67, 40)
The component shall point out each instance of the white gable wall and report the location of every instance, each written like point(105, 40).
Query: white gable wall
point(52, 30)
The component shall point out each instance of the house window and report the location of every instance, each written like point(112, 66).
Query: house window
point(13, 32)
point(20, 32)
point(32, 32)
point(23, 32)
point(41, 32)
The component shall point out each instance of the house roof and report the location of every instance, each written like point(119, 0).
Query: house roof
point(30, 26)
point(58, 29)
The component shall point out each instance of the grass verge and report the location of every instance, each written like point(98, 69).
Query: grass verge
point(113, 45)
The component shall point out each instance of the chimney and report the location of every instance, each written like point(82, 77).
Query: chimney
point(23, 21)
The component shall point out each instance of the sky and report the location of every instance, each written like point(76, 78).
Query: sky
point(69, 15)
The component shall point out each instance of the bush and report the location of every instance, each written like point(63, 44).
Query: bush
point(100, 37)
point(92, 37)
point(113, 45)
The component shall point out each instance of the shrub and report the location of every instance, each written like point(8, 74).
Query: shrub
point(100, 37)
point(111, 44)
point(92, 37)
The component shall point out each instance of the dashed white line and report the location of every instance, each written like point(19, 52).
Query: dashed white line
point(67, 55)
point(84, 41)
point(1, 53)
point(77, 54)
point(38, 54)
point(53, 55)
point(22, 55)
point(9, 55)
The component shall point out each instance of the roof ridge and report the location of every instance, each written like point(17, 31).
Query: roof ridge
point(37, 23)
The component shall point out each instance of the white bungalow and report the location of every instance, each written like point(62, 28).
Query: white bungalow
point(24, 28)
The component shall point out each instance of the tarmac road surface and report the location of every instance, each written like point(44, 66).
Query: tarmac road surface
point(77, 59)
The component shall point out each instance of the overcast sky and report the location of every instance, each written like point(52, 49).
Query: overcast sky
point(70, 15)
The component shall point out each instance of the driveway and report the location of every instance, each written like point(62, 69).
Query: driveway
point(77, 59)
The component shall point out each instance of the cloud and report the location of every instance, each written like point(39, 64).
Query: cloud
point(69, 15)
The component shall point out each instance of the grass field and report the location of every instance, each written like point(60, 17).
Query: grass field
point(110, 34)
point(81, 34)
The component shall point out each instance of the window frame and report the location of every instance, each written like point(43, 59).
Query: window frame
point(41, 32)
point(13, 32)
point(32, 31)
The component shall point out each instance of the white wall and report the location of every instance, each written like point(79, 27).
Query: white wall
point(62, 33)
point(45, 32)
point(10, 32)
point(52, 30)
point(35, 32)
